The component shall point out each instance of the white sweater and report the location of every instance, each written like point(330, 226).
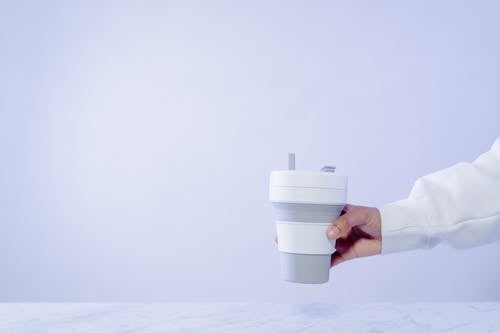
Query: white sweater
point(459, 206)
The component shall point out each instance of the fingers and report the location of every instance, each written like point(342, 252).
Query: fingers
point(346, 208)
point(361, 248)
point(353, 216)
point(341, 227)
point(336, 259)
point(357, 233)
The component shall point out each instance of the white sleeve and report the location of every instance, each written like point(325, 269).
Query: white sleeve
point(459, 206)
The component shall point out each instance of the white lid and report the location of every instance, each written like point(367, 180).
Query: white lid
point(308, 179)
point(310, 187)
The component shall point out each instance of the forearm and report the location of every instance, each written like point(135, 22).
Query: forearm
point(459, 206)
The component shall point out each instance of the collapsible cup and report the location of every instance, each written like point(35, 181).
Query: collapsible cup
point(305, 204)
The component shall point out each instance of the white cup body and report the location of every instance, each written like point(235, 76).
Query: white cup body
point(305, 204)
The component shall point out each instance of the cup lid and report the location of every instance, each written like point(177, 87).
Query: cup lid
point(307, 179)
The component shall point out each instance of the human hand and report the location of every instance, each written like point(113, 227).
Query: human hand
point(357, 232)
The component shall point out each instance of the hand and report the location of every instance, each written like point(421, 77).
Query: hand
point(357, 232)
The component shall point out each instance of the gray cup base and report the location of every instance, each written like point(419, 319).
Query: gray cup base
point(305, 268)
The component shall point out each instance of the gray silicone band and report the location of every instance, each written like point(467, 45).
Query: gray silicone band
point(305, 268)
point(312, 213)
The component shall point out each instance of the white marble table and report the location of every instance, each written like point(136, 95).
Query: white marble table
point(249, 317)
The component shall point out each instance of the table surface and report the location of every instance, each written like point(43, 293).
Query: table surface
point(249, 317)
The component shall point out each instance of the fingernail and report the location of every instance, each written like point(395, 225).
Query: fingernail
point(333, 232)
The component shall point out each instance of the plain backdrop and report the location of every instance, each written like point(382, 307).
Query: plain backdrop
point(137, 137)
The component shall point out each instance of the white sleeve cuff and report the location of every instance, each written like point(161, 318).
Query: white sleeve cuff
point(405, 226)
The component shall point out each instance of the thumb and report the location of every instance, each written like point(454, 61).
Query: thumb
point(340, 227)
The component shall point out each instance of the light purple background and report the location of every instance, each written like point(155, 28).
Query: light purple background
point(136, 139)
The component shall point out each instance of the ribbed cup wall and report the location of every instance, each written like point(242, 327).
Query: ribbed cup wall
point(312, 213)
